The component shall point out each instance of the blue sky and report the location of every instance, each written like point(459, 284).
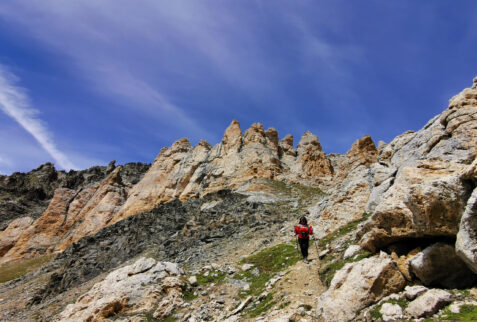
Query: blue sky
point(86, 82)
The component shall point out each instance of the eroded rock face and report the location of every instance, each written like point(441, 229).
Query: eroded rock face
point(466, 244)
point(186, 172)
point(425, 200)
point(349, 193)
point(358, 285)
point(71, 215)
point(142, 287)
point(9, 236)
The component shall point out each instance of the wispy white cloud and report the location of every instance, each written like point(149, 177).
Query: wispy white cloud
point(14, 103)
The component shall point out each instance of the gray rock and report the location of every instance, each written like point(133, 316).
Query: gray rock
point(428, 303)
point(192, 280)
point(351, 251)
point(466, 244)
point(246, 267)
point(391, 312)
point(439, 265)
point(323, 253)
point(357, 285)
point(411, 292)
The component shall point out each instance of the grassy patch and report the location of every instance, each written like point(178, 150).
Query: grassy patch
point(467, 313)
point(328, 272)
point(213, 277)
point(343, 230)
point(268, 262)
point(272, 259)
point(265, 305)
point(189, 295)
point(14, 270)
point(376, 314)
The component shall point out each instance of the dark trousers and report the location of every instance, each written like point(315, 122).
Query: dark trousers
point(303, 246)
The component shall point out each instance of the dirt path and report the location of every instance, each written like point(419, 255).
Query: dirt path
point(301, 288)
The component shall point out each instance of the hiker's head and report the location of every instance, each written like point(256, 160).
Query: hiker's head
point(303, 220)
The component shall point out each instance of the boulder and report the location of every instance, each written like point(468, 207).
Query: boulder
point(357, 285)
point(426, 200)
point(411, 292)
point(438, 265)
point(428, 303)
point(192, 280)
point(134, 289)
point(466, 243)
point(391, 312)
point(351, 251)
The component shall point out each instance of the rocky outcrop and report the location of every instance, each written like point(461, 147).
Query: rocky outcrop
point(429, 192)
point(185, 172)
point(143, 287)
point(71, 215)
point(358, 285)
point(348, 195)
point(9, 236)
point(173, 231)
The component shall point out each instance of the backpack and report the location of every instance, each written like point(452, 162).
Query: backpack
point(304, 233)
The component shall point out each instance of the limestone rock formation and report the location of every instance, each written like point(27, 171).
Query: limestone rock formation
point(184, 172)
point(71, 215)
point(141, 287)
point(350, 190)
point(9, 236)
point(358, 285)
point(428, 194)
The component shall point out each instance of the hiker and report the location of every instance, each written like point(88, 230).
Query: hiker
point(303, 231)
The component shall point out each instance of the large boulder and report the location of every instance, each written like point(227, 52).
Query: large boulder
point(142, 287)
point(428, 303)
point(466, 244)
point(438, 265)
point(357, 285)
point(426, 200)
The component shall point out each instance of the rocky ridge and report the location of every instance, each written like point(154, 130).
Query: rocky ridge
point(396, 227)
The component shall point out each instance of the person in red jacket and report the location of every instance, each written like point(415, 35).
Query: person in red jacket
point(303, 231)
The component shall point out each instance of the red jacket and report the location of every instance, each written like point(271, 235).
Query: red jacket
point(303, 232)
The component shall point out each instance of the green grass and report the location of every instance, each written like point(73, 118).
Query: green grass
point(467, 313)
point(189, 296)
point(266, 304)
point(328, 272)
point(343, 230)
point(14, 270)
point(213, 277)
point(268, 262)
